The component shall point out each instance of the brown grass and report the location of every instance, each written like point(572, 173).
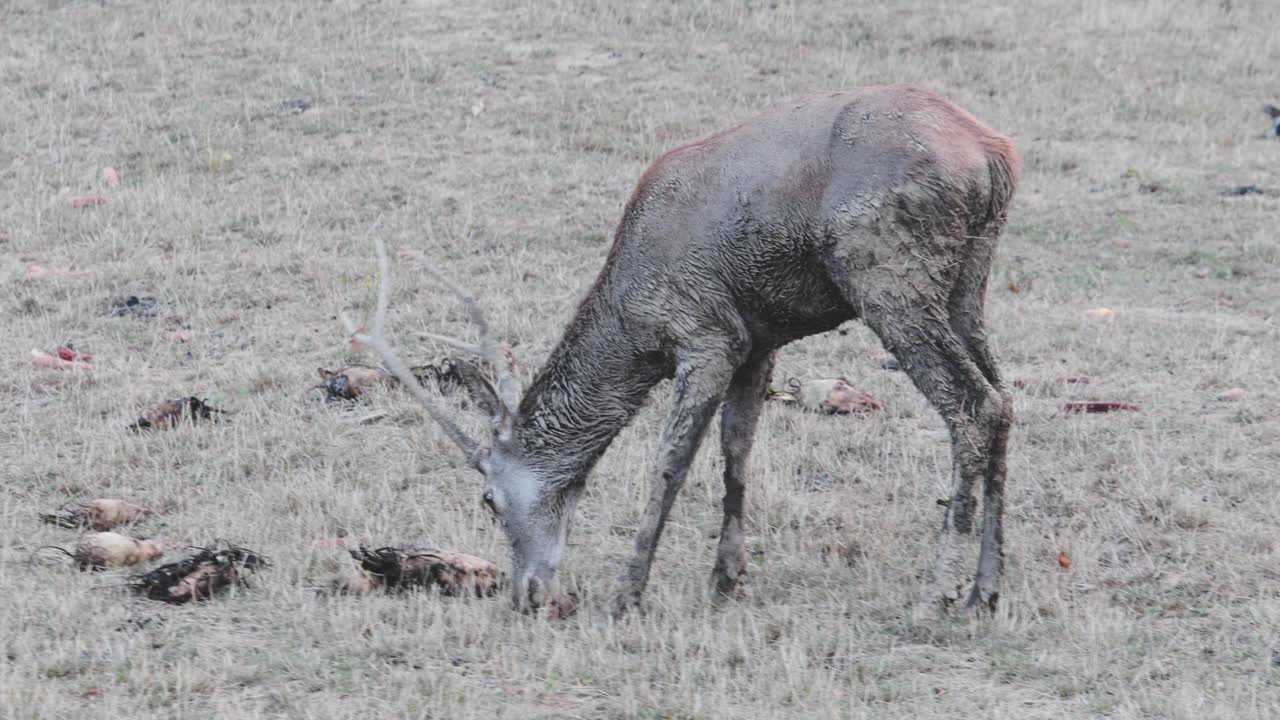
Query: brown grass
point(259, 146)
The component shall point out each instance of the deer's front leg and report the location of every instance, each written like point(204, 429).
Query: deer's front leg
point(697, 393)
point(738, 419)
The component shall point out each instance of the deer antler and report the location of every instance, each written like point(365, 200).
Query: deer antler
point(377, 341)
point(488, 348)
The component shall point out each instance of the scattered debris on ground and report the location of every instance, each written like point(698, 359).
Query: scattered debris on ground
point(447, 375)
point(213, 569)
point(69, 354)
point(65, 359)
point(890, 363)
point(362, 584)
point(104, 550)
point(1242, 190)
point(1273, 112)
point(350, 383)
point(170, 413)
point(1073, 380)
point(450, 374)
point(407, 568)
point(100, 514)
point(42, 272)
point(1235, 394)
point(1098, 407)
point(134, 306)
point(833, 396)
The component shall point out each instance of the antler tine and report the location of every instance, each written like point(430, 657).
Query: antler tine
point(454, 343)
point(508, 385)
point(377, 341)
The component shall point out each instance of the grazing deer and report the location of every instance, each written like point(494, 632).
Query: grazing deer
point(879, 203)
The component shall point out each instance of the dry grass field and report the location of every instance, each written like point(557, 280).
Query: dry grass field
point(261, 145)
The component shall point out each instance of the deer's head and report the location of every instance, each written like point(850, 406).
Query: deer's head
point(534, 506)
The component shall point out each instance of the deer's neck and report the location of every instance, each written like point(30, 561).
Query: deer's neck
point(589, 389)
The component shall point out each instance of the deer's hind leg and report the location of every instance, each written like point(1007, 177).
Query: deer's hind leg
point(738, 419)
point(905, 297)
point(967, 315)
point(942, 368)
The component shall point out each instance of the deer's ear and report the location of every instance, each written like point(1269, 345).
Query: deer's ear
point(1272, 110)
point(480, 389)
point(324, 374)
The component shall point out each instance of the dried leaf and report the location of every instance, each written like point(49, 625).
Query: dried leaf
point(42, 272)
point(87, 201)
point(1234, 394)
point(1064, 560)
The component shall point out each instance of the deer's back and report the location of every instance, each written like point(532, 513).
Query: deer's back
point(736, 232)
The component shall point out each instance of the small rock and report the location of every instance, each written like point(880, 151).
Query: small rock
point(890, 363)
point(1234, 394)
point(296, 106)
point(1239, 190)
point(135, 306)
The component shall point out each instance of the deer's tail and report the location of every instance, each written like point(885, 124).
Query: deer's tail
point(1003, 165)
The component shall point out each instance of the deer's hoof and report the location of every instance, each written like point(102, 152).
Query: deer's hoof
point(726, 588)
point(622, 601)
point(983, 598)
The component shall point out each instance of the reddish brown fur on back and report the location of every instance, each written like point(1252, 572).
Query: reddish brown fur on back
point(954, 125)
